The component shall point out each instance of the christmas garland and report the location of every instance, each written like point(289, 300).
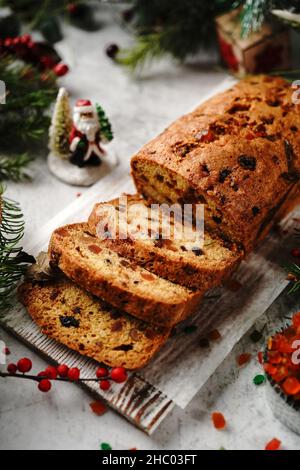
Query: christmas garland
point(13, 261)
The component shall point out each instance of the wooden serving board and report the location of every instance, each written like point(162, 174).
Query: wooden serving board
point(137, 400)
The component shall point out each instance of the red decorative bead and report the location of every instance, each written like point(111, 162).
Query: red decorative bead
point(60, 69)
point(74, 373)
point(62, 370)
point(24, 365)
point(12, 368)
point(295, 252)
point(218, 420)
point(101, 372)
point(44, 385)
point(104, 385)
point(51, 372)
point(274, 444)
point(118, 374)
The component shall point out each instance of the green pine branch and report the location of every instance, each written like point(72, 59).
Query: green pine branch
point(13, 261)
point(24, 117)
point(14, 167)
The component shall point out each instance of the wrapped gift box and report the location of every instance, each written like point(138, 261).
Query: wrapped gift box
point(261, 52)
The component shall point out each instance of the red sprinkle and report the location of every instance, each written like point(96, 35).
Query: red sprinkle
point(44, 385)
point(274, 444)
point(24, 365)
point(98, 408)
point(243, 359)
point(260, 357)
point(74, 373)
point(218, 420)
point(62, 370)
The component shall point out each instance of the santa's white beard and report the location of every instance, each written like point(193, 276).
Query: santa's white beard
point(87, 126)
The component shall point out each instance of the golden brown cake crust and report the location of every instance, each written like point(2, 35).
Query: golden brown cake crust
point(90, 326)
point(102, 272)
point(239, 153)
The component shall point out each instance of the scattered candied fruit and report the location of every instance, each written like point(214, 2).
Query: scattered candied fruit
point(274, 444)
point(243, 359)
point(218, 420)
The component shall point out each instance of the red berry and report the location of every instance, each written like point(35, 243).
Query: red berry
point(74, 373)
point(43, 373)
point(274, 444)
point(105, 385)
point(12, 368)
point(63, 370)
point(112, 50)
point(44, 385)
point(101, 372)
point(25, 39)
point(24, 365)
point(118, 374)
point(8, 42)
point(51, 372)
point(60, 69)
point(295, 252)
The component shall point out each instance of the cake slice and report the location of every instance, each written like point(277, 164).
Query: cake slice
point(90, 326)
point(85, 259)
point(184, 257)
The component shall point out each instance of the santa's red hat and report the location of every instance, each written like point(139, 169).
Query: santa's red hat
point(83, 106)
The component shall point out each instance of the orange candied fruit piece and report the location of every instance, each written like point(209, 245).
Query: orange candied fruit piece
point(274, 357)
point(291, 386)
point(243, 359)
point(218, 420)
point(280, 374)
point(274, 444)
point(271, 370)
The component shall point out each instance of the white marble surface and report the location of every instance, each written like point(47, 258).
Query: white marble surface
point(61, 419)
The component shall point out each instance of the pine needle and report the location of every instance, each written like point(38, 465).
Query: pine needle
point(13, 167)
point(13, 261)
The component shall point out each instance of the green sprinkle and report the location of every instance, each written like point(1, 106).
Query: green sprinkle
point(105, 446)
point(259, 379)
point(255, 336)
point(190, 329)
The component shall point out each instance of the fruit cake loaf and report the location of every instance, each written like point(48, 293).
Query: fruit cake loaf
point(90, 326)
point(181, 256)
point(238, 153)
point(84, 259)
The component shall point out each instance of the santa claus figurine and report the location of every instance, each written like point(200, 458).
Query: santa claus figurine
point(74, 142)
point(85, 136)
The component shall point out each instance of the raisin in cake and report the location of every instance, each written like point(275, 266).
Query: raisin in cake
point(238, 153)
point(161, 244)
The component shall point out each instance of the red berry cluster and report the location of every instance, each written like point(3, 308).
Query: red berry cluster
point(64, 373)
point(41, 54)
